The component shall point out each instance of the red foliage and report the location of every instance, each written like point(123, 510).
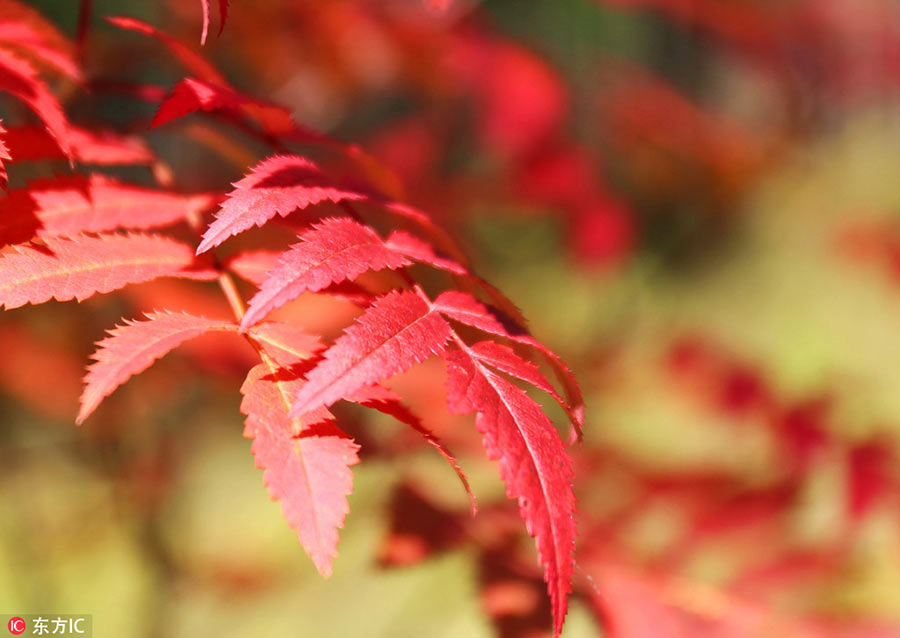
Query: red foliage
point(306, 467)
point(19, 78)
point(134, 347)
point(519, 435)
point(65, 244)
point(79, 266)
point(351, 286)
point(91, 203)
point(337, 249)
point(397, 331)
point(277, 186)
point(101, 147)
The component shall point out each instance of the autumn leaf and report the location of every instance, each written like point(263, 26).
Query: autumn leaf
point(397, 331)
point(533, 464)
point(466, 309)
point(93, 203)
point(223, 16)
point(336, 249)
point(89, 146)
point(204, 7)
point(278, 185)
point(191, 95)
point(78, 235)
point(255, 265)
point(20, 79)
point(27, 32)
point(306, 468)
point(79, 267)
point(133, 347)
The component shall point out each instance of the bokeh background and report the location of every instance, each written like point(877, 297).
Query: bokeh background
point(696, 202)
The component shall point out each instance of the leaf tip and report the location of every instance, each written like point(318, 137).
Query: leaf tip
point(324, 565)
point(84, 412)
point(204, 5)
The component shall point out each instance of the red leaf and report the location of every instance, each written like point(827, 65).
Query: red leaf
point(533, 463)
point(190, 59)
point(191, 95)
point(464, 308)
point(223, 15)
point(306, 468)
point(29, 33)
point(204, 6)
point(76, 204)
point(100, 147)
point(134, 347)
point(336, 249)
point(278, 185)
point(4, 155)
point(19, 78)
point(79, 267)
point(255, 265)
point(396, 332)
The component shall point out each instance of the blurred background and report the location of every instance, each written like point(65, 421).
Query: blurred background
point(695, 202)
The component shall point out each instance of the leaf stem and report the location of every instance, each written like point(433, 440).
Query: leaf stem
point(229, 289)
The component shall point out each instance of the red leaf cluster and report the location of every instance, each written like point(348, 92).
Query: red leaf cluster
point(74, 236)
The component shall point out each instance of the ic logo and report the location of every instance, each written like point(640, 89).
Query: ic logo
point(16, 626)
